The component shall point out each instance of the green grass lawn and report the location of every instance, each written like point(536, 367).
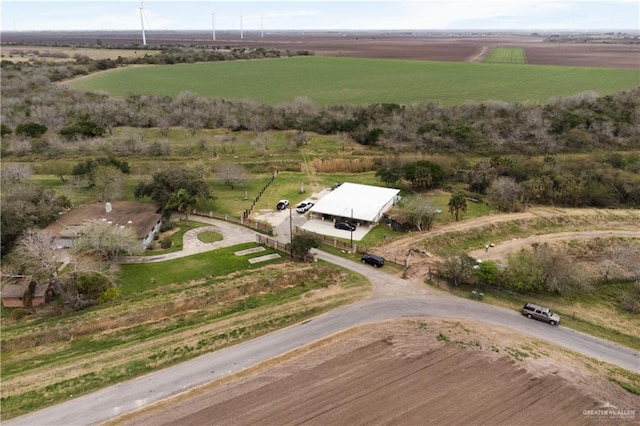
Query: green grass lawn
point(210, 237)
point(331, 80)
point(139, 277)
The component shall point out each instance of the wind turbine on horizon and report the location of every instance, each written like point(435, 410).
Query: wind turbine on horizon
point(213, 25)
point(144, 37)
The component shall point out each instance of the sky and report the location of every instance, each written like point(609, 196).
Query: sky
point(526, 15)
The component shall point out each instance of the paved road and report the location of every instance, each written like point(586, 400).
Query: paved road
point(115, 400)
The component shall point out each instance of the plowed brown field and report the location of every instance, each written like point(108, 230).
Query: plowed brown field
point(461, 47)
point(407, 372)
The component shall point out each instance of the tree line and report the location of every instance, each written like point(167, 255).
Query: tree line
point(579, 123)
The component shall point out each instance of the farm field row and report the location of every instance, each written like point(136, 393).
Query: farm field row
point(505, 55)
point(330, 80)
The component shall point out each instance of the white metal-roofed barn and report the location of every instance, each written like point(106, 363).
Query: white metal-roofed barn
point(362, 203)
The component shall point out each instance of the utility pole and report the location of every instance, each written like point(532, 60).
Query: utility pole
point(351, 228)
point(290, 233)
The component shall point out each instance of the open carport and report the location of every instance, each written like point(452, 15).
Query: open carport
point(326, 227)
point(355, 203)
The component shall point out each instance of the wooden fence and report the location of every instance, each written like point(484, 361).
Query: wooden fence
point(247, 212)
point(329, 241)
point(261, 239)
point(265, 228)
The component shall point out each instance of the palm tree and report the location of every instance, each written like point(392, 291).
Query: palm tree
point(182, 201)
point(457, 205)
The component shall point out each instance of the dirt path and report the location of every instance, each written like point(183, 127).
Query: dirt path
point(499, 252)
point(531, 213)
point(480, 55)
point(606, 222)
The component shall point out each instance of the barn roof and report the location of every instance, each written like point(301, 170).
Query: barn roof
point(357, 201)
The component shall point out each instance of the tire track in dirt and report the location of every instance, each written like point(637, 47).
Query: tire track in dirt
point(606, 221)
point(479, 56)
point(403, 245)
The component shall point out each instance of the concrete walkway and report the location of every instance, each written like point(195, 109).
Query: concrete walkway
point(232, 235)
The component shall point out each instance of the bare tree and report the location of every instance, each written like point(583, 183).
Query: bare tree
point(232, 174)
point(418, 211)
point(506, 194)
point(458, 269)
point(53, 115)
point(623, 262)
point(108, 241)
point(35, 250)
point(562, 274)
point(108, 182)
point(16, 172)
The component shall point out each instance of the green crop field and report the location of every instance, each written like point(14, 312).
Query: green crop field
point(328, 80)
point(505, 55)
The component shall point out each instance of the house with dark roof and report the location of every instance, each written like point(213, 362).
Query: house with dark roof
point(144, 218)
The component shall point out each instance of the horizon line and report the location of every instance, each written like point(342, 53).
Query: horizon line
point(573, 30)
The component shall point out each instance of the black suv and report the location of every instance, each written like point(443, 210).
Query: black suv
point(374, 260)
point(345, 225)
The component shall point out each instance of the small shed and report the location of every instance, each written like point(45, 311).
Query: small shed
point(13, 294)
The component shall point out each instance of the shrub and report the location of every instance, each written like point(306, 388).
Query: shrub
point(92, 285)
point(82, 128)
point(110, 294)
point(30, 129)
point(631, 300)
point(19, 313)
point(5, 130)
point(166, 243)
point(300, 246)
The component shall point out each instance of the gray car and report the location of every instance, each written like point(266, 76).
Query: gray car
point(541, 314)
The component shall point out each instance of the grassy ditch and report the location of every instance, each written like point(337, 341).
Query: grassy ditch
point(46, 360)
point(595, 314)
